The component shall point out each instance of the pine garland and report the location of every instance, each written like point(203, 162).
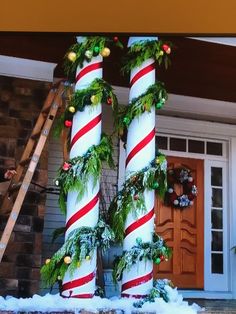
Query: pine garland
point(76, 172)
point(131, 198)
point(155, 95)
point(156, 251)
point(79, 246)
point(99, 91)
point(145, 49)
point(158, 291)
point(92, 44)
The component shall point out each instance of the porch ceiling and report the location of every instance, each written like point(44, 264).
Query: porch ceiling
point(199, 69)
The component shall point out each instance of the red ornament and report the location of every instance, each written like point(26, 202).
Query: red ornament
point(68, 123)
point(166, 48)
point(66, 166)
point(136, 197)
point(109, 101)
point(162, 257)
point(115, 39)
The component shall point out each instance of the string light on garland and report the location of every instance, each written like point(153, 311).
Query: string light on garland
point(80, 245)
point(184, 177)
point(75, 173)
point(131, 198)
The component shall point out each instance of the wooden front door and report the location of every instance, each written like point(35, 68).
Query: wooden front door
point(183, 231)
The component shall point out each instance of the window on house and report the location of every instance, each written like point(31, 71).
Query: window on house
point(216, 221)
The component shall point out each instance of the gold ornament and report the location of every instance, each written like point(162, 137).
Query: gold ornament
point(58, 277)
point(105, 52)
point(67, 260)
point(71, 109)
point(161, 53)
point(94, 99)
point(47, 261)
point(87, 258)
point(157, 160)
point(71, 56)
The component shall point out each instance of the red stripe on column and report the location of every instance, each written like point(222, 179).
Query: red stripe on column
point(138, 223)
point(81, 296)
point(142, 72)
point(140, 146)
point(136, 282)
point(88, 69)
point(136, 296)
point(78, 282)
point(86, 129)
point(83, 211)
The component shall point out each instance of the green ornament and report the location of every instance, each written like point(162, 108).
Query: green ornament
point(157, 260)
point(159, 105)
point(96, 50)
point(155, 185)
point(126, 120)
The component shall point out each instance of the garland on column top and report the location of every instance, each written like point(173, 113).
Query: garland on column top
point(131, 198)
point(74, 174)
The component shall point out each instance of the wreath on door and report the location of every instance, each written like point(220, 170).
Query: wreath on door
point(184, 177)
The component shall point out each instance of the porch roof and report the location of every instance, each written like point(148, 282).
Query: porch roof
point(199, 68)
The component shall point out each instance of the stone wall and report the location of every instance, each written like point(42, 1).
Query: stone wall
point(20, 104)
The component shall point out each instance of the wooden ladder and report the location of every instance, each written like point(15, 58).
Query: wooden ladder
point(30, 157)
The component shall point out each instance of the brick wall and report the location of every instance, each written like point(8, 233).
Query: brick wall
point(20, 103)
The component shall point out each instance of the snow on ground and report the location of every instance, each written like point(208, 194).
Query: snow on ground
point(51, 302)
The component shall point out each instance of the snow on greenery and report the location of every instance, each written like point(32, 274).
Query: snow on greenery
point(54, 303)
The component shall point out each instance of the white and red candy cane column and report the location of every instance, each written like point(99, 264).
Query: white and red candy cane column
point(140, 147)
point(86, 131)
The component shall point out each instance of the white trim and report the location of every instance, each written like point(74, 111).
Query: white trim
point(214, 282)
point(26, 68)
point(190, 107)
point(206, 294)
point(232, 214)
point(229, 41)
point(190, 127)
